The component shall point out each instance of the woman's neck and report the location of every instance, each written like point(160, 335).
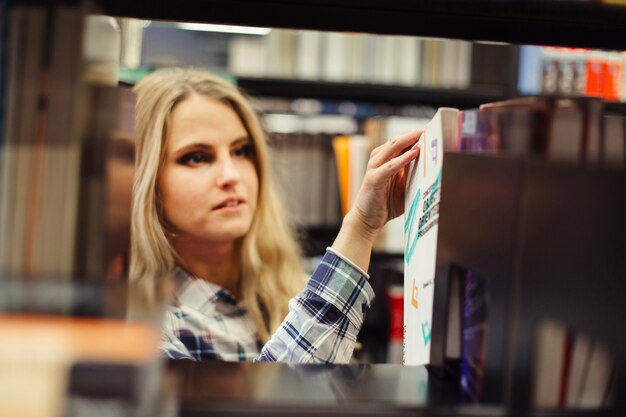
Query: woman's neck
point(215, 263)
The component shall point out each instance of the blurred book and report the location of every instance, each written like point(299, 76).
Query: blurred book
point(305, 165)
point(565, 130)
point(571, 369)
point(356, 58)
point(571, 72)
point(53, 211)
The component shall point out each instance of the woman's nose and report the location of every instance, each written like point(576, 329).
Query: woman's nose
point(228, 174)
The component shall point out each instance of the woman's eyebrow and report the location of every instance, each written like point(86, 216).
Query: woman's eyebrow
point(196, 145)
point(239, 140)
point(205, 146)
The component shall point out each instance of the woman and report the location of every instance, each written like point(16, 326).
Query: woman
point(205, 212)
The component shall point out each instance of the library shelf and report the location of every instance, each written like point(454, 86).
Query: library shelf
point(378, 93)
point(548, 22)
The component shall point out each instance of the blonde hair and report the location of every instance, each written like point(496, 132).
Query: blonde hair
point(270, 257)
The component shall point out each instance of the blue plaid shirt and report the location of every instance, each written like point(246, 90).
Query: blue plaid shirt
point(324, 319)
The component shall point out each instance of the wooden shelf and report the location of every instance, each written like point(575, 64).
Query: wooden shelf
point(549, 22)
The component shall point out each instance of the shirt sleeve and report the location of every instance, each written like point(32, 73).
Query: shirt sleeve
point(325, 318)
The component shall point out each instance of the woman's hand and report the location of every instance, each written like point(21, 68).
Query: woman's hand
point(380, 198)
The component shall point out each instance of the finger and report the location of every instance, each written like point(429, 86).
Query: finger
point(387, 170)
point(394, 147)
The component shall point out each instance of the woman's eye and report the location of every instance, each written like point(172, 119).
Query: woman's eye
point(195, 158)
point(244, 151)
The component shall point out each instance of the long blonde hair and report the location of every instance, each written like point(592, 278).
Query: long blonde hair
point(270, 256)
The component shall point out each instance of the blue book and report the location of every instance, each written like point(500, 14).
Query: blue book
point(529, 74)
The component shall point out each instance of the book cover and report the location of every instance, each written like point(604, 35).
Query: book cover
point(421, 218)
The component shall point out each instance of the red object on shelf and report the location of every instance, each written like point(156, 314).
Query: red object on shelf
point(395, 293)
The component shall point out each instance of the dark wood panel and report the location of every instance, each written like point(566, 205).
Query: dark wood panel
point(567, 23)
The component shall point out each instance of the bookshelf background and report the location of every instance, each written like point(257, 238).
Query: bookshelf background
point(554, 23)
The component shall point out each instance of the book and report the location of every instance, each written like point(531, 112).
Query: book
point(421, 216)
point(474, 328)
point(529, 70)
point(571, 369)
point(247, 56)
point(309, 54)
point(549, 364)
point(341, 146)
point(23, 95)
point(281, 56)
point(565, 130)
point(614, 141)
point(334, 63)
point(408, 65)
point(53, 253)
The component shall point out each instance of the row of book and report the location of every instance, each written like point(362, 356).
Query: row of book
point(572, 71)
point(352, 57)
point(320, 160)
point(304, 165)
point(61, 112)
point(571, 369)
point(561, 130)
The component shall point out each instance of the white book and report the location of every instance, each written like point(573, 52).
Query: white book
point(281, 53)
point(370, 57)
point(334, 56)
point(408, 60)
point(598, 380)
point(429, 61)
point(579, 367)
point(548, 364)
point(354, 57)
point(464, 74)
point(450, 63)
point(386, 60)
point(421, 216)
point(247, 56)
point(308, 54)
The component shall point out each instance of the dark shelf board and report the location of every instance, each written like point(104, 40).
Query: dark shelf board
point(373, 93)
point(615, 107)
point(548, 22)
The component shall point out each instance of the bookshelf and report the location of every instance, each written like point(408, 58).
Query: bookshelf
point(563, 23)
point(582, 24)
point(389, 94)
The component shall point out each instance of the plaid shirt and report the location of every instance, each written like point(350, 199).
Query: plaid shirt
point(324, 319)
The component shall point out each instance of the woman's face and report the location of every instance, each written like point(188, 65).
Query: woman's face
point(208, 182)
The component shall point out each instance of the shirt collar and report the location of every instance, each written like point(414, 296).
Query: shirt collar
point(198, 293)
